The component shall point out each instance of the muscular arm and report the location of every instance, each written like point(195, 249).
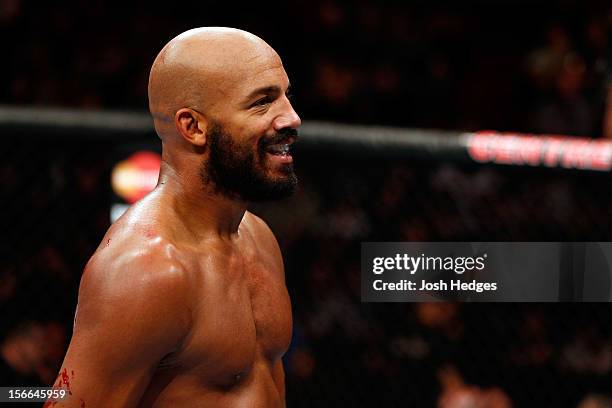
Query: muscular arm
point(131, 313)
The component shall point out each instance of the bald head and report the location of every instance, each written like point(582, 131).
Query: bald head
point(196, 68)
point(220, 102)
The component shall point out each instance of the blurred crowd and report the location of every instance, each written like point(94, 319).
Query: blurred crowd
point(55, 202)
point(510, 65)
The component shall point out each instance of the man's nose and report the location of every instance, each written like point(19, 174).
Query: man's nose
point(287, 119)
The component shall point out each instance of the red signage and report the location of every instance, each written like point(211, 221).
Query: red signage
point(535, 150)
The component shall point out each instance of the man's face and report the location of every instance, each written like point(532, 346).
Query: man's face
point(240, 170)
point(250, 137)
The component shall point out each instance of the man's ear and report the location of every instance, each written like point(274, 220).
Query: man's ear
point(191, 125)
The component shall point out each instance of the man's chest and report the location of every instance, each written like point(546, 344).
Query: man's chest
point(242, 314)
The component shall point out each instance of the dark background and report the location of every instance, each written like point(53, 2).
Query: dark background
point(508, 65)
point(537, 67)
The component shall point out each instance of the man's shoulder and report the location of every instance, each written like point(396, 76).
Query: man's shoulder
point(259, 229)
point(256, 223)
point(133, 259)
point(263, 236)
point(136, 289)
point(134, 280)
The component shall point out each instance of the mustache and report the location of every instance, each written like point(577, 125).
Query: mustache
point(281, 136)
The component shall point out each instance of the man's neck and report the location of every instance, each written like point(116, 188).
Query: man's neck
point(202, 211)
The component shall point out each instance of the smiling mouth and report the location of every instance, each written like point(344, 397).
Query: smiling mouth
point(280, 149)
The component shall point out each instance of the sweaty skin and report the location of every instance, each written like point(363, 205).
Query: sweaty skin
point(184, 302)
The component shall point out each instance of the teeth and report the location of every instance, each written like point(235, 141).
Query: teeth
point(282, 149)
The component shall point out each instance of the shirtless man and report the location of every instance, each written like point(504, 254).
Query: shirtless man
point(184, 303)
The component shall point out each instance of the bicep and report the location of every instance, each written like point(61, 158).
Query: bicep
point(120, 335)
point(105, 363)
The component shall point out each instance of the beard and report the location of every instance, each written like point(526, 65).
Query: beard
point(237, 171)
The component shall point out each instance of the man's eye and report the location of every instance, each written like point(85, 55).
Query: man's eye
point(262, 101)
